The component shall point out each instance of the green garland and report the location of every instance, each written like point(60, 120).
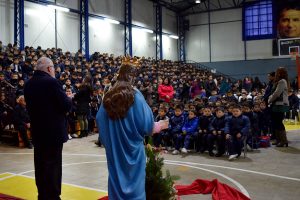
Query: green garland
point(158, 187)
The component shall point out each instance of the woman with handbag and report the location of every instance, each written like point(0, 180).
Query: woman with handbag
point(279, 104)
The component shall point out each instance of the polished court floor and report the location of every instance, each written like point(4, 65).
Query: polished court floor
point(265, 174)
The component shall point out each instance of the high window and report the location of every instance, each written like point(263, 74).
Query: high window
point(258, 20)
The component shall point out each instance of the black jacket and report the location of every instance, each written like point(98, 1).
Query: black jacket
point(21, 117)
point(236, 125)
point(47, 105)
point(218, 124)
point(204, 122)
point(83, 99)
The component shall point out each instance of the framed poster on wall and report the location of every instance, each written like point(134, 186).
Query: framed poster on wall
point(287, 26)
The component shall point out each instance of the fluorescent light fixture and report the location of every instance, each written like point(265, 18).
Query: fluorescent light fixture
point(143, 29)
point(59, 8)
point(197, 1)
point(111, 21)
point(147, 30)
point(174, 37)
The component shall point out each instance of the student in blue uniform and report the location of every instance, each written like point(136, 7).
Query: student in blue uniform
point(236, 127)
point(189, 130)
point(204, 121)
point(175, 126)
point(216, 133)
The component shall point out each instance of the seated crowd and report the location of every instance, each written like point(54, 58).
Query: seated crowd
point(206, 111)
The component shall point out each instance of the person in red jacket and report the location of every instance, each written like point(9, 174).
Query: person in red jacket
point(166, 91)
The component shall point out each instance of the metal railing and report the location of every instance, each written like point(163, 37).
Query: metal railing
point(204, 67)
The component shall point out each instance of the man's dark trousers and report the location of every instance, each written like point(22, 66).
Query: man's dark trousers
point(48, 171)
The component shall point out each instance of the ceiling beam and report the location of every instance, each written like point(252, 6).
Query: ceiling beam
point(242, 2)
point(188, 7)
point(205, 11)
point(219, 4)
point(212, 4)
point(205, 5)
point(166, 5)
point(234, 3)
point(228, 3)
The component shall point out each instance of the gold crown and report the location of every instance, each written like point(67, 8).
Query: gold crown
point(131, 61)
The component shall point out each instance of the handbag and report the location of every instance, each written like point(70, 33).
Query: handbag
point(264, 141)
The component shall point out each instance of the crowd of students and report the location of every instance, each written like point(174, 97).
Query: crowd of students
point(206, 111)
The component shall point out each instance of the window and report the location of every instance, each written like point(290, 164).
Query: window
point(258, 20)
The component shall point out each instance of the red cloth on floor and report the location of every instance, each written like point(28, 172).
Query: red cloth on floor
point(7, 197)
point(220, 191)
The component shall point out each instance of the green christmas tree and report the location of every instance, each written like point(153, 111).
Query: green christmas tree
point(158, 186)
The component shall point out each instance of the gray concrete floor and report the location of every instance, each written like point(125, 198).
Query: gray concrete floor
point(266, 174)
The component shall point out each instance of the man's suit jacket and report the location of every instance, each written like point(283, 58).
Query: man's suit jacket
point(47, 105)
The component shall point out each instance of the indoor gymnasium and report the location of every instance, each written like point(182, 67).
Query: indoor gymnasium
point(149, 99)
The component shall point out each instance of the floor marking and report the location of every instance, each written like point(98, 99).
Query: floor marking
point(5, 174)
point(190, 163)
point(68, 164)
point(64, 154)
point(241, 188)
point(237, 169)
point(29, 190)
point(71, 184)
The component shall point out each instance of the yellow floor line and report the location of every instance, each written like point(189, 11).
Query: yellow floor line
point(24, 187)
point(5, 174)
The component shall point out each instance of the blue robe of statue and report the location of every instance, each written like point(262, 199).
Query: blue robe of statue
point(125, 151)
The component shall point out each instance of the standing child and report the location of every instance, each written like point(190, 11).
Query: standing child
point(254, 131)
point(236, 127)
point(94, 107)
point(265, 119)
point(189, 130)
point(294, 107)
point(216, 133)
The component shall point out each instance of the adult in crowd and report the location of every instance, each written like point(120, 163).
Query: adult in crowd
point(124, 119)
point(22, 121)
point(166, 91)
point(247, 84)
point(83, 99)
point(211, 85)
point(279, 104)
point(225, 86)
point(47, 105)
point(268, 90)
